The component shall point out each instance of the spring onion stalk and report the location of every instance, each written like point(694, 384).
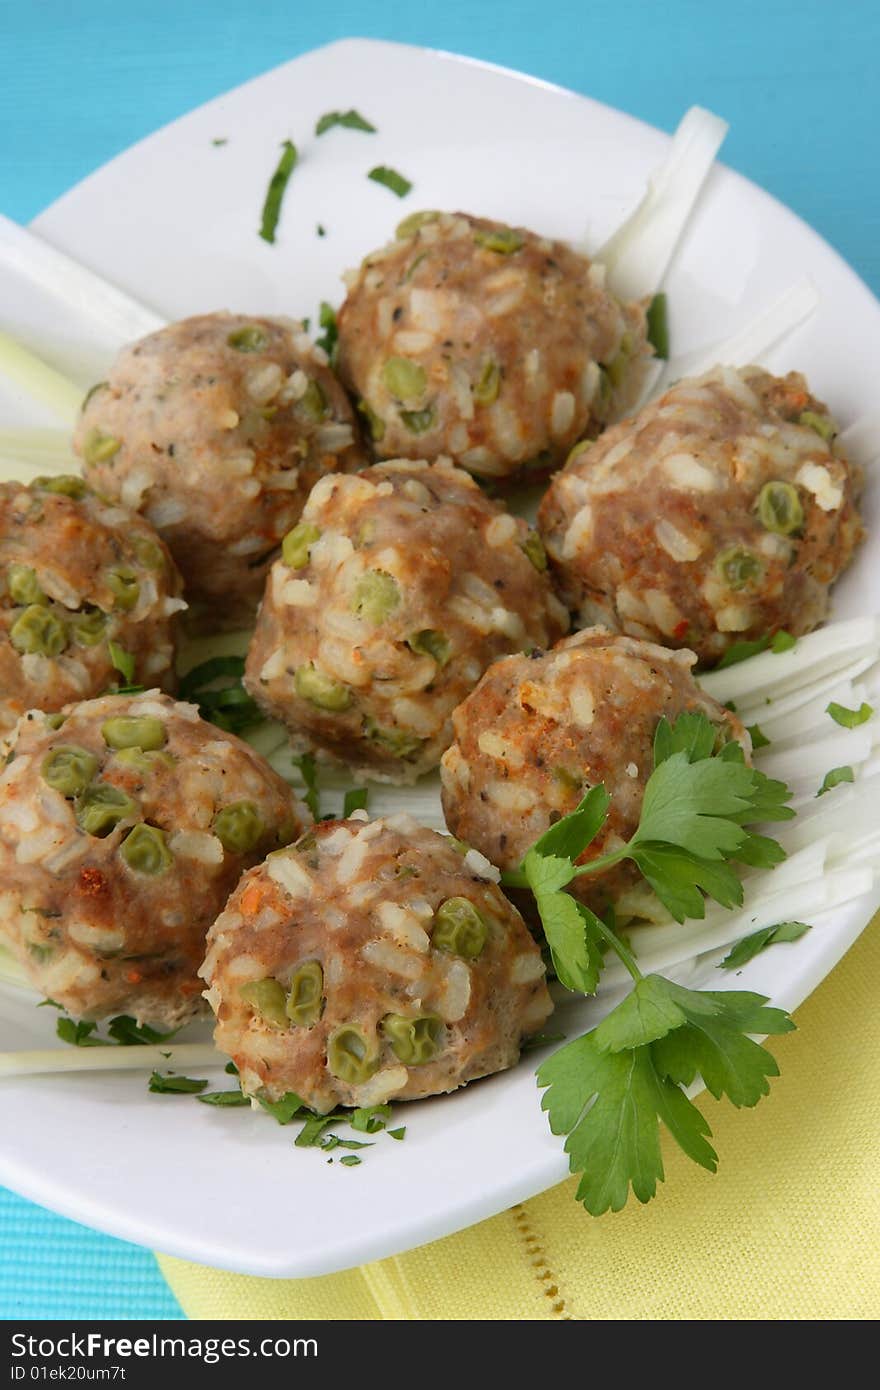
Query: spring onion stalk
point(88, 294)
point(38, 380)
point(751, 342)
point(638, 255)
point(52, 1061)
point(11, 972)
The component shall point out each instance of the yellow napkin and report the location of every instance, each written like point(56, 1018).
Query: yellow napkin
point(789, 1227)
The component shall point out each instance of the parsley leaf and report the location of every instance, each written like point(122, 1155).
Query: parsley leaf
point(573, 938)
point(571, 835)
point(834, 778)
point(758, 737)
point(849, 718)
point(609, 1090)
point(758, 941)
point(610, 1104)
point(351, 120)
point(390, 178)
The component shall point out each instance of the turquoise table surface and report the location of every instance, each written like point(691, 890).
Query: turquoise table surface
point(81, 80)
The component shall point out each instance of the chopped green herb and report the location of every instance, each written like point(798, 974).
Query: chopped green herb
point(129, 1033)
point(225, 1100)
point(276, 190)
point(541, 1040)
point(350, 1161)
point(49, 1003)
point(310, 1135)
point(397, 1133)
point(351, 120)
point(740, 651)
point(355, 800)
point(849, 718)
point(77, 1034)
point(328, 339)
point(333, 1141)
point(658, 327)
point(309, 773)
point(758, 737)
point(285, 1109)
point(123, 661)
point(228, 706)
point(221, 140)
point(834, 778)
point(758, 941)
point(231, 1069)
point(174, 1085)
point(321, 231)
point(369, 1119)
point(390, 178)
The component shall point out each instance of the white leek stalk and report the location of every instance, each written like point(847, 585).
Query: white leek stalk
point(88, 294)
point(638, 255)
point(38, 380)
point(166, 1057)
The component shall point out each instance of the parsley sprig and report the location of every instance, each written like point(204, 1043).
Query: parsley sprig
point(609, 1090)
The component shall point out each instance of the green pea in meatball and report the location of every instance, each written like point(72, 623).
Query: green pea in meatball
point(721, 512)
point(540, 730)
point(125, 823)
point(371, 961)
point(215, 429)
point(394, 593)
point(488, 343)
point(88, 597)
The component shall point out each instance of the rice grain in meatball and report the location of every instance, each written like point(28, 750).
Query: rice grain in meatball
point(371, 961)
point(721, 512)
point(397, 589)
point(124, 826)
point(539, 731)
point(486, 342)
point(216, 428)
point(88, 597)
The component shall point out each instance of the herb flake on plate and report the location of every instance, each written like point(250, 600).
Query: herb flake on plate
point(390, 178)
point(276, 190)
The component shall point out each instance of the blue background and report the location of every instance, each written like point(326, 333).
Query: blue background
point(81, 81)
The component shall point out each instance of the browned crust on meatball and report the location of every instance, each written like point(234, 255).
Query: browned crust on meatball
point(359, 898)
point(640, 525)
point(521, 353)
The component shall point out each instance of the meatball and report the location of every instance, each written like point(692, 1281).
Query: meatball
point(371, 961)
point(124, 826)
point(88, 594)
point(539, 731)
point(216, 428)
point(488, 343)
point(719, 513)
point(395, 592)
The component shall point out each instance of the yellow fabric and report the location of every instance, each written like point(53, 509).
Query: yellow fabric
point(789, 1227)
